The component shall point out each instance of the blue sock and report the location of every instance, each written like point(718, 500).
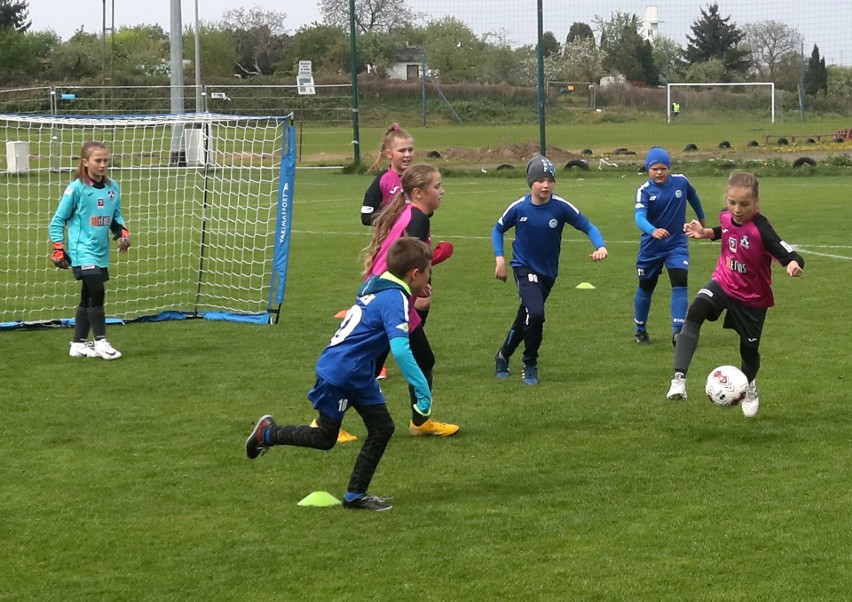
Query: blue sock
point(349, 496)
point(641, 308)
point(680, 302)
point(265, 436)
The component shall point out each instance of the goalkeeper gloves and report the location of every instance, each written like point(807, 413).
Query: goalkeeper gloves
point(443, 251)
point(60, 257)
point(122, 234)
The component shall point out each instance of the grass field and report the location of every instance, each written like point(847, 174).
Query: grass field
point(127, 480)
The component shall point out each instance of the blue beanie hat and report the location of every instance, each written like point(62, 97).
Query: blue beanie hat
point(540, 167)
point(657, 155)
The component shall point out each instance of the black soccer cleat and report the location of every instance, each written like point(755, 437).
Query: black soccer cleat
point(254, 444)
point(368, 502)
point(642, 338)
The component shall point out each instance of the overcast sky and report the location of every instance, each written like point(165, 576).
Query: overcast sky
point(827, 23)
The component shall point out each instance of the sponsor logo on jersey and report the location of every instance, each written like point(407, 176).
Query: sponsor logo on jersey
point(523, 219)
point(553, 223)
point(101, 203)
point(100, 220)
point(653, 198)
point(732, 244)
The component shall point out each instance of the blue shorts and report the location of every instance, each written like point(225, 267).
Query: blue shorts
point(648, 266)
point(332, 401)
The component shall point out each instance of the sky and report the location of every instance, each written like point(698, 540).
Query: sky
point(827, 23)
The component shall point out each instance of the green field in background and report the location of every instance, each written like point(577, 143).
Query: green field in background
point(127, 480)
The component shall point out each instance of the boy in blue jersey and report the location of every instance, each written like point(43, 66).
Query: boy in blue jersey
point(659, 210)
point(90, 208)
point(538, 219)
point(346, 371)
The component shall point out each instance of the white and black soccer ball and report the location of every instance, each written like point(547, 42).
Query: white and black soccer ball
point(726, 386)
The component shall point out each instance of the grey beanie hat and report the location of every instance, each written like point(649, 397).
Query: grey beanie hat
point(540, 167)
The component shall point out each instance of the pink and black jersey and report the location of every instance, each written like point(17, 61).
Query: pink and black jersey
point(380, 193)
point(744, 270)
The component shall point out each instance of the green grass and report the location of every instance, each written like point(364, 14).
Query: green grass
point(127, 480)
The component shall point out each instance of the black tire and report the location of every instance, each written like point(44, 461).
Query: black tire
point(839, 139)
point(620, 149)
point(623, 151)
point(503, 166)
point(752, 144)
point(804, 161)
point(587, 151)
point(782, 141)
point(578, 163)
point(433, 155)
point(690, 147)
point(810, 141)
point(727, 165)
point(724, 144)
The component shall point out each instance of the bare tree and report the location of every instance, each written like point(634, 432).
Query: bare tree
point(770, 43)
point(259, 37)
point(370, 15)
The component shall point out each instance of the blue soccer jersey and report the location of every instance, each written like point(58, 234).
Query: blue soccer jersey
point(538, 233)
point(88, 212)
point(380, 314)
point(664, 206)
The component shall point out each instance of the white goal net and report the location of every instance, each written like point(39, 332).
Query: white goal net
point(207, 199)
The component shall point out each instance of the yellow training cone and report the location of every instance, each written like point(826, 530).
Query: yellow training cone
point(585, 285)
point(321, 499)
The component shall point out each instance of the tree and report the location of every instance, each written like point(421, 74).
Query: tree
point(453, 51)
point(14, 15)
point(79, 58)
point(715, 38)
point(218, 53)
point(370, 15)
point(624, 50)
point(580, 61)
point(549, 44)
point(770, 42)
point(25, 56)
point(580, 31)
point(668, 59)
point(816, 75)
point(259, 37)
point(326, 46)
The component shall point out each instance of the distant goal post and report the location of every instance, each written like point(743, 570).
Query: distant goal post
point(669, 86)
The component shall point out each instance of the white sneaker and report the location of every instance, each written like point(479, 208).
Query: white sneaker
point(79, 349)
point(106, 351)
point(751, 404)
point(678, 389)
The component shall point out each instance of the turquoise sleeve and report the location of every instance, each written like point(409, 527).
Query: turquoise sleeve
point(413, 374)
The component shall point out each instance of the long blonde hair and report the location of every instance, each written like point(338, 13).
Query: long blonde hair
point(416, 176)
point(392, 134)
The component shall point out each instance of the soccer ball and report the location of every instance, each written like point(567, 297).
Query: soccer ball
point(726, 386)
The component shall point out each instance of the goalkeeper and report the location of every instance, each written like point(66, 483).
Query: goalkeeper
point(90, 209)
point(346, 372)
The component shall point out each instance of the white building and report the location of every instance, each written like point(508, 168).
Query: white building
point(649, 27)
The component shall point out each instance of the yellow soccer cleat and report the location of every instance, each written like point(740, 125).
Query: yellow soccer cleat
point(342, 436)
point(433, 428)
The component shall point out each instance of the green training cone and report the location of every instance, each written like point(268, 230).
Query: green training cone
point(321, 499)
point(585, 285)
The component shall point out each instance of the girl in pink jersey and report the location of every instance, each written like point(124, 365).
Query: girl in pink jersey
point(398, 148)
point(741, 284)
point(408, 215)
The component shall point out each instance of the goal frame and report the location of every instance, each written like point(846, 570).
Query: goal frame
point(669, 87)
point(259, 284)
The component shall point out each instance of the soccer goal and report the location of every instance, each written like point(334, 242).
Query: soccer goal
point(723, 101)
point(207, 198)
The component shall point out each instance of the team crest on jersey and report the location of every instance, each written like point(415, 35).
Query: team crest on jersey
point(678, 193)
point(111, 195)
point(553, 223)
point(732, 244)
point(744, 241)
